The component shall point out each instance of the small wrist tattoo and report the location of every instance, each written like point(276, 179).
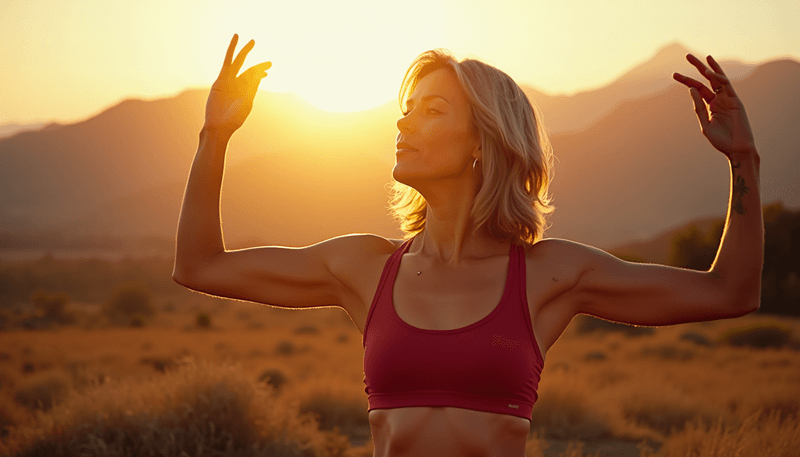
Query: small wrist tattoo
point(739, 190)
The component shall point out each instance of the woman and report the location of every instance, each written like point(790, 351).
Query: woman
point(457, 318)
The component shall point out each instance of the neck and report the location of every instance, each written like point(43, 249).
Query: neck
point(449, 235)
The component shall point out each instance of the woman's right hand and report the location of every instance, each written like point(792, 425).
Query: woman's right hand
point(231, 97)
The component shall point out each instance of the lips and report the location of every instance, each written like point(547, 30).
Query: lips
point(403, 146)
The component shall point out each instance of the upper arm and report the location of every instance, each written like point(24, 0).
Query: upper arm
point(289, 277)
point(648, 294)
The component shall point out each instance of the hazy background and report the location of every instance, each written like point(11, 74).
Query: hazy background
point(65, 61)
point(101, 102)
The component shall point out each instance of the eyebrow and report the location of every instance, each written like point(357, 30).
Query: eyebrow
point(426, 98)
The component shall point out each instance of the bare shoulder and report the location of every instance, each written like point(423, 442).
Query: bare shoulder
point(357, 264)
point(553, 268)
point(359, 247)
point(562, 259)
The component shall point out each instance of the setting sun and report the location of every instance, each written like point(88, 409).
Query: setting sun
point(338, 57)
point(67, 61)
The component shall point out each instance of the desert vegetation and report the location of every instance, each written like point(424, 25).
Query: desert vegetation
point(101, 357)
point(266, 381)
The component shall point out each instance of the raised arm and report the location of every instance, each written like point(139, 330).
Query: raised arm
point(318, 275)
point(648, 294)
point(199, 236)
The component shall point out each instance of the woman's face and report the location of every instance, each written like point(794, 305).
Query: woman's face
point(436, 141)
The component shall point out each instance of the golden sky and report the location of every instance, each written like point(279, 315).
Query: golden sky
point(67, 60)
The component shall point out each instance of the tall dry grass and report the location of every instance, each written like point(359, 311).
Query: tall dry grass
point(602, 393)
point(198, 409)
point(760, 434)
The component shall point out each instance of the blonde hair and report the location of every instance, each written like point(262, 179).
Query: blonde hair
point(517, 159)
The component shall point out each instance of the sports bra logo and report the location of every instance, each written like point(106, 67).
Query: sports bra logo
point(503, 342)
point(514, 406)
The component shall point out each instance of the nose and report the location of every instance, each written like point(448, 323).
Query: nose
point(404, 124)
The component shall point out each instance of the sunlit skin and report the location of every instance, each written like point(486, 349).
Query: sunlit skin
point(437, 150)
point(465, 269)
point(726, 127)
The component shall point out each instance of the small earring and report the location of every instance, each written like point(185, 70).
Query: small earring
point(474, 164)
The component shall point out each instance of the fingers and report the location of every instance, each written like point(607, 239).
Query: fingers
point(253, 76)
point(229, 56)
point(716, 75)
point(699, 108)
point(701, 67)
point(237, 64)
point(703, 91)
point(714, 65)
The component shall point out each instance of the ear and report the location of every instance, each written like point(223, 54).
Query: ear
point(476, 152)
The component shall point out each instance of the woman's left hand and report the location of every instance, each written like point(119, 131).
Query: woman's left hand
point(726, 126)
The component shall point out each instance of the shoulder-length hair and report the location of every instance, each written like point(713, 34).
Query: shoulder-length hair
point(517, 159)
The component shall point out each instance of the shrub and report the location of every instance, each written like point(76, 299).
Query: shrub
point(198, 409)
point(12, 414)
point(52, 306)
point(668, 352)
point(43, 390)
point(758, 336)
point(757, 435)
point(564, 410)
point(306, 330)
point(203, 320)
point(274, 377)
point(696, 338)
point(129, 303)
point(339, 408)
point(667, 409)
point(285, 347)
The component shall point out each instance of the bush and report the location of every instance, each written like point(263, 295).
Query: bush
point(285, 347)
point(758, 336)
point(203, 320)
point(306, 330)
point(195, 410)
point(43, 390)
point(338, 408)
point(130, 304)
point(759, 434)
point(12, 414)
point(52, 306)
point(274, 377)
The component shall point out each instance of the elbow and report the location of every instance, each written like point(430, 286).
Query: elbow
point(753, 306)
point(744, 307)
point(185, 275)
point(180, 276)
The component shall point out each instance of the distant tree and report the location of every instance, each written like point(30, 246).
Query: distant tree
point(780, 282)
point(130, 304)
point(51, 306)
point(695, 250)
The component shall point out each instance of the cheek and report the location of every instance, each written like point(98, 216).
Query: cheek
point(448, 138)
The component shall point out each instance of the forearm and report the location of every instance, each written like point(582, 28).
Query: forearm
point(740, 257)
point(199, 227)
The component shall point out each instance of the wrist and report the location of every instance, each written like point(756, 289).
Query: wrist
point(215, 134)
point(748, 154)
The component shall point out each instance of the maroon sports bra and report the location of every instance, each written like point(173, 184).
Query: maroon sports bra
point(492, 365)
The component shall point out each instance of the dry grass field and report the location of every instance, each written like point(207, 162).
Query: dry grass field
point(252, 380)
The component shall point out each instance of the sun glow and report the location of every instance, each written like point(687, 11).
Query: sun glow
point(339, 56)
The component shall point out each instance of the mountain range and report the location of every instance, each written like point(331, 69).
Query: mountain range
point(631, 163)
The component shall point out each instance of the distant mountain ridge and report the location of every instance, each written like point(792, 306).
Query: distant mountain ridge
point(296, 174)
point(571, 113)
